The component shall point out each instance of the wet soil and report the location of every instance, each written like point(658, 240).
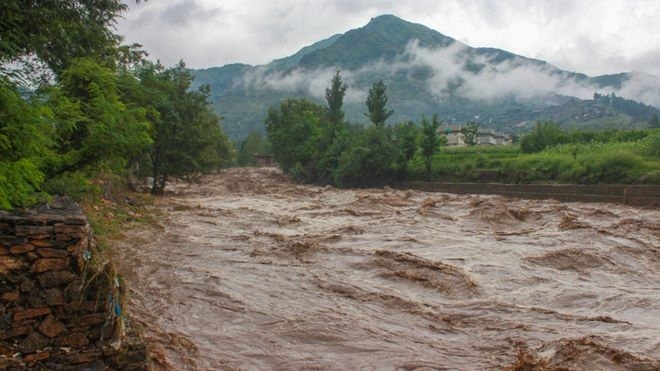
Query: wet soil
point(248, 270)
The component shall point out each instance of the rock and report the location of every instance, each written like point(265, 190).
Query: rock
point(51, 327)
point(34, 231)
point(43, 242)
point(10, 296)
point(46, 252)
point(56, 278)
point(23, 314)
point(36, 357)
point(54, 297)
point(15, 332)
point(35, 341)
point(9, 263)
point(28, 286)
point(74, 340)
point(92, 319)
point(21, 249)
point(50, 264)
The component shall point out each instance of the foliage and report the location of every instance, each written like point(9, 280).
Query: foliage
point(334, 95)
point(376, 104)
point(186, 133)
point(544, 135)
point(59, 32)
point(89, 111)
point(74, 184)
point(255, 143)
point(297, 132)
point(103, 132)
point(24, 142)
point(368, 160)
point(651, 144)
point(405, 137)
point(429, 142)
point(471, 133)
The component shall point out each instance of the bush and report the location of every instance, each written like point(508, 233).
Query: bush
point(73, 184)
point(614, 167)
point(651, 145)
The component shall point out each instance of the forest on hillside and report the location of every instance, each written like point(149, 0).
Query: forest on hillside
point(81, 112)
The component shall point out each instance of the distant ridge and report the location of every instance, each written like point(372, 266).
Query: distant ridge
point(427, 72)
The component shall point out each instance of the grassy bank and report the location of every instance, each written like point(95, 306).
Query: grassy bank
point(626, 162)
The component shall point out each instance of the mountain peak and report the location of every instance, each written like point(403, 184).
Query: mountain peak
point(384, 37)
point(385, 18)
point(430, 77)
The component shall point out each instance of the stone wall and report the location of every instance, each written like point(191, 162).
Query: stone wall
point(60, 299)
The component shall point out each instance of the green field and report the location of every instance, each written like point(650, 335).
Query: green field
point(616, 162)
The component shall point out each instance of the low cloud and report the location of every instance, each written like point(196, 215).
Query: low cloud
point(311, 82)
point(642, 87)
point(453, 71)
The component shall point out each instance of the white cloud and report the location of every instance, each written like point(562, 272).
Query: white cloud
point(593, 37)
point(514, 78)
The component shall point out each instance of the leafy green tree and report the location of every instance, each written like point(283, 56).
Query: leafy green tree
point(186, 132)
point(429, 142)
point(59, 32)
point(544, 135)
point(334, 95)
point(470, 133)
point(25, 140)
point(405, 136)
point(368, 159)
point(376, 104)
point(104, 133)
point(296, 132)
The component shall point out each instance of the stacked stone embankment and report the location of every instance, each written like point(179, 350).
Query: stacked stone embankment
point(60, 299)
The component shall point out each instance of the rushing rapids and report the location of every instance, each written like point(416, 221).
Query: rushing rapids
point(248, 270)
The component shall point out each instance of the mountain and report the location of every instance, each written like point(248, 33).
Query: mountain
point(427, 72)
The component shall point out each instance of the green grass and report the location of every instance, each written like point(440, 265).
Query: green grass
point(633, 162)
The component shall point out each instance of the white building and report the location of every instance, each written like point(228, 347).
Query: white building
point(485, 137)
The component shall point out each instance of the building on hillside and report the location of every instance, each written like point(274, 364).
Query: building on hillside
point(485, 137)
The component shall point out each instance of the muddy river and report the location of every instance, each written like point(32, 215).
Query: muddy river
point(248, 271)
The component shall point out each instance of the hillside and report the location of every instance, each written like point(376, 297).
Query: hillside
point(427, 72)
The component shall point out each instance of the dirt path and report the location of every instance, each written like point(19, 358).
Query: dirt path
point(250, 271)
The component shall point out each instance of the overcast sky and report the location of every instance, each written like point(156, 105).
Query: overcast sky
point(589, 36)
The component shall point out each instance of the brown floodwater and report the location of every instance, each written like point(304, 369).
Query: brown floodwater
point(249, 271)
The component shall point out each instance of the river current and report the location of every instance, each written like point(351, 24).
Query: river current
point(249, 271)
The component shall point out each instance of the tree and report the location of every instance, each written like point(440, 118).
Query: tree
point(59, 32)
point(376, 102)
point(544, 135)
point(186, 132)
point(405, 136)
point(334, 95)
point(296, 132)
point(429, 143)
point(368, 159)
point(470, 133)
point(25, 140)
point(103, 132)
